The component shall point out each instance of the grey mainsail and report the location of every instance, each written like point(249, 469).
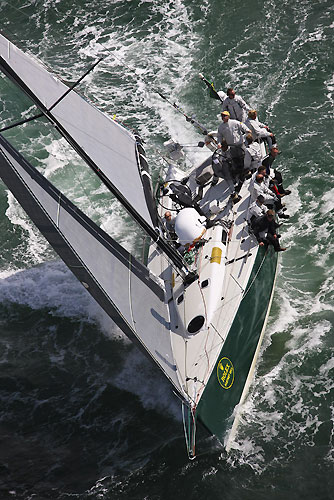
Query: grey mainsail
point(117, 281)
point(113, 152)
point(112, 148)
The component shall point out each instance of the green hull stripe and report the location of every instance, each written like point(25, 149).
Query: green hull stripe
point(226, 383)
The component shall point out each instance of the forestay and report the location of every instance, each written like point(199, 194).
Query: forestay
point(111, 147)
point(117, 281)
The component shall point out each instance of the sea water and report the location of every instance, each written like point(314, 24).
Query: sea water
point(83, 414)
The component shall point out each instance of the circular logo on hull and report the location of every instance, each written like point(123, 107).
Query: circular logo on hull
point(225, 373)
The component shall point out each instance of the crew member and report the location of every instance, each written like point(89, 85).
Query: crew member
point(259, 130)
point(264, 229)
point(233, 132)
point(235, 105)
point(257, 209)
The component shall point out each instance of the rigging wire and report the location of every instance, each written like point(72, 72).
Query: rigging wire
point(139, 77)
point(39, 115)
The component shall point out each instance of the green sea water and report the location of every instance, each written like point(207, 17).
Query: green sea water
point(83, 414)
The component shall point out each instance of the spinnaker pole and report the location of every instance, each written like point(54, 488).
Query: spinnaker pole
point(190, 119)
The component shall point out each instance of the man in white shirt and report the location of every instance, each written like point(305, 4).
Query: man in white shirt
point(259, 130)
point(169, 222)
point(233, 132)
point(253, 156)
point(257, 208)
point(259, 188)
point(235, 105)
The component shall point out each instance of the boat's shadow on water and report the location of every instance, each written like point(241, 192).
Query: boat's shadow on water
point(65, 421)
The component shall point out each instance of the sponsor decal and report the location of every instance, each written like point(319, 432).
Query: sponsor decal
point(216, 255)
point(225, 373)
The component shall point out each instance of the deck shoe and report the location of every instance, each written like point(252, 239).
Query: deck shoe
point(284, 216)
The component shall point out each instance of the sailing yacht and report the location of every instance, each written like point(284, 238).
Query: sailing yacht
point(198, 304)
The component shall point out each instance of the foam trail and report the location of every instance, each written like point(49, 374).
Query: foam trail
point(153, 390)
point(282, 395)
point(33, 248)
point(52, 286)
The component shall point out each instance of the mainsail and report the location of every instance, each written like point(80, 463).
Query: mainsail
point(98, 261)
point(111, 147)
point(113, 152)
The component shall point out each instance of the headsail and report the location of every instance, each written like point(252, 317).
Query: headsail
point(98, 261)
point(101, 141)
